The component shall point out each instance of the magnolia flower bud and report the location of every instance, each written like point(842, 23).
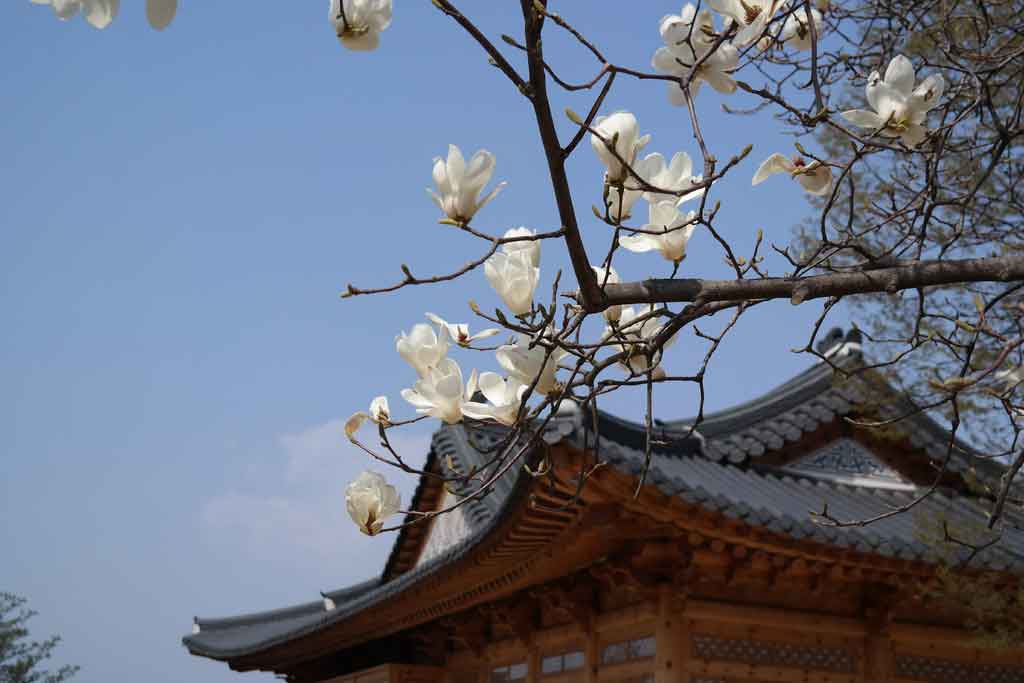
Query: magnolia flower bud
point(514, 277)
point(608, 277)
point(379, 411)
point(619, 131)
point(531, 248)
point(370, 500)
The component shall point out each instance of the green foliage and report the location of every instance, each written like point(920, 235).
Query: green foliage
point(20, 658)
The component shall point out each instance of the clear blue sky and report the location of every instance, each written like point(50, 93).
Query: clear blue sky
point(179, 213)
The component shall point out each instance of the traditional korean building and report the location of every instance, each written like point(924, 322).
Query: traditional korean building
point(716, 572)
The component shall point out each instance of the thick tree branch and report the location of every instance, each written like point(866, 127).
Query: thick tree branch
point(798, 290)
point(590, 296)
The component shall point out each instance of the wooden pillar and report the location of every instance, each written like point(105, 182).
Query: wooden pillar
point(878, 657)
point(672, 642)
point(592, 651)
point(532, 661)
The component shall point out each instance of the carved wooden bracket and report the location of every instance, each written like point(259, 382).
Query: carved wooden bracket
point(469, 629)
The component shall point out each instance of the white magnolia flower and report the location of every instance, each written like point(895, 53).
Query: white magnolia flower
point(899, 107)
point(674, 232)
point(440, 393)
point(370, 500)
point(380, 413)
point(621, 132)
point(514, 277)
point(796, 32)
point(530, 247)
point(359, 23)
point(633, 337)
point(422, 348)
point(99, 13)
point(1011, 378)
point(751, 16)
point(815, 177)
point(460, 185)
point(505, 396)
point(525, 363)
point(459, 332)
point(608, 277)
point(676, 176)
point(688, 38)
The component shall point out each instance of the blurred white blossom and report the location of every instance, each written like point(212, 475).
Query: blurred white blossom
point(633, 337)
point(379, 411)
point(359, 23)
point(750, 16)
point(796, 32)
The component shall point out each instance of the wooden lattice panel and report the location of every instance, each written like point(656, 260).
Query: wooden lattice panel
point(932, 670)
point(763, 653)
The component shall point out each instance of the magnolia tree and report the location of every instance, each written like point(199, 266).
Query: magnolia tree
point(915, 110)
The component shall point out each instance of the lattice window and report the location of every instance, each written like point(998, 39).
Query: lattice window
point(628, 650)
point(556, 664)
point(510, 673)
point(705, 679)
point(763, 653)
point(945, 671)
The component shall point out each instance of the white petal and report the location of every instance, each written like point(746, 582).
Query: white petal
point(863, 118)
point(914, 135)
point(99, 13)
point(638, 243)
point(817, 181)
point(776, 163)
point(900, 75)
point(353, 423)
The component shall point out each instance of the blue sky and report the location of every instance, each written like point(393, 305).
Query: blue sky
point(180, 211)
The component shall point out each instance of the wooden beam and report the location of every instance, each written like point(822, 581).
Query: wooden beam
point(770, 616)
point(758, 672)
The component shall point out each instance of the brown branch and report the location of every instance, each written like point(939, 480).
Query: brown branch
point(590, 296)
point(798, 290)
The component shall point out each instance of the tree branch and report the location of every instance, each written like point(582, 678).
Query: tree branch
point(798, 290)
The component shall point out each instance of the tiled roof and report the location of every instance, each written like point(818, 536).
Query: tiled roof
point(717, 468)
